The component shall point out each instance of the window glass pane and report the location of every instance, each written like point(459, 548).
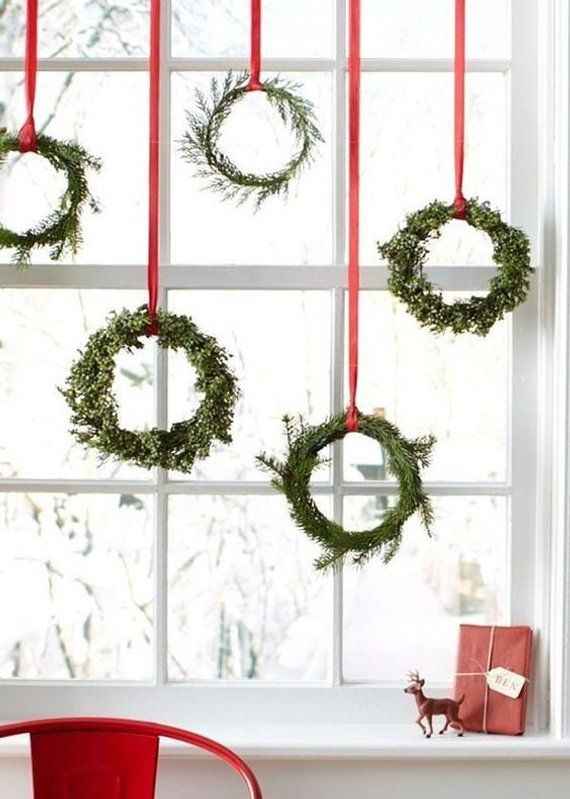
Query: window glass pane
point(407, 156)
point(280, 343)
point(406, 614)
point(79, 28)
point(76, 574)
point(77, 106)
point(416, 29)
point(286, 230)
point(219, 28)
point(455, 387)
point(42, 329)
point(245, 601)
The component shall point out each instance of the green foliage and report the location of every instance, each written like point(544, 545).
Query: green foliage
point(406, 253)
point(89, 393)
point(61, 229)
point(199, 143)
point(293, 477)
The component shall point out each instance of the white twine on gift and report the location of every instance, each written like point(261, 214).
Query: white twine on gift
point(484, 674)
point(517, 680)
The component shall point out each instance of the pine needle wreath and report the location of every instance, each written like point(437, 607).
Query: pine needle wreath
point(293, 478)
point(199, 144)
point(89, 393)
point(61, 229)
point(406, 253)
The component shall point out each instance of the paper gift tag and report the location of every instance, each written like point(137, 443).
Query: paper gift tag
point(505, 682)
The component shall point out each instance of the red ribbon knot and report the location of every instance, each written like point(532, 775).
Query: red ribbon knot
point(254, 85)
point(460, 206)
point(28, 137)
point(152, 329)
point(351, 419)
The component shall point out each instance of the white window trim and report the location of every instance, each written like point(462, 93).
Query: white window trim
point(557, 299)
point(335, 703)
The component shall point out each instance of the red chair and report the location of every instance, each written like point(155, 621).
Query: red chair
point(98, 758)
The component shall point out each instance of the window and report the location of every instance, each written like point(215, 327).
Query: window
point(152, 590)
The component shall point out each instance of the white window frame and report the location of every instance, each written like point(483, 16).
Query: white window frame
point(530, 194)
point(555, 157)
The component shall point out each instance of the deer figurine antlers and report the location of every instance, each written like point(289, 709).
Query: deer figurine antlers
point(433, 707)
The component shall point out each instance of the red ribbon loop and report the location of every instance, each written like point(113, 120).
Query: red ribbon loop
point(154, 165)
point(254, 83)
point(459, 75)
point(353, 211)
point(28, 137)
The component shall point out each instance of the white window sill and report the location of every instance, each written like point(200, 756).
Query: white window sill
point(352, 742)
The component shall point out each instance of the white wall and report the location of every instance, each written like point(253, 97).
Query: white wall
point(296, 779)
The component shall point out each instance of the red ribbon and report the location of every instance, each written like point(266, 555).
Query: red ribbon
point(459, 71)
point(27, 136)
point(254, 83)
point(353, 211)
point(154, 164)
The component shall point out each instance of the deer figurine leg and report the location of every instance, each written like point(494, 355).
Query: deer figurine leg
point(453, 717)
point(429, 707)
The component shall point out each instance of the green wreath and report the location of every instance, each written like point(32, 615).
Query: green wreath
point(293, 478)
point(61, 229)
point(406, 253)
point(199, 144)
point(89, 393)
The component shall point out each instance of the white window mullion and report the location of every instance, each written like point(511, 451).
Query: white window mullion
point(337, 405)
point(338, 330)
point(161, 367)
point(340, 137)
point(240, 487)
point(528, 536)
point(161, 518)
point(165, 119)
point(558, 289)
point(523, 212)
point(224, 277)
point(10, 64)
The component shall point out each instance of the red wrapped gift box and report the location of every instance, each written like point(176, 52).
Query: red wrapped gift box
point(480, 650)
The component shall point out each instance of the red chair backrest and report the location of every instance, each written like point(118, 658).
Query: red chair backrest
point(98, 758)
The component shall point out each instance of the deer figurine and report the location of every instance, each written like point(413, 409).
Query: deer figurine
point(428, 708)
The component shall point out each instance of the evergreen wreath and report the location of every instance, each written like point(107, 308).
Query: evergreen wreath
point(406, 253)
point(89, 393)
point(61, 229)
point(199, 144)
point(293, 478)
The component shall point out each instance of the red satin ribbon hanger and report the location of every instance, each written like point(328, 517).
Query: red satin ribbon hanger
point(353, 211)
point(255, 83)
point(459, 128)
point(28, 137)
point(154, 163)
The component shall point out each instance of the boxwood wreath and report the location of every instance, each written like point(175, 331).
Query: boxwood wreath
point(89, 393)
point(61, 229)
point(406, 253)
point(293, 477)
point(200, 142)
